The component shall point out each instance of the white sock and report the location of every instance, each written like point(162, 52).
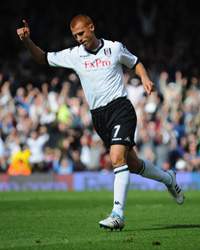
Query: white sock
point(121, 184)
point(152, 172)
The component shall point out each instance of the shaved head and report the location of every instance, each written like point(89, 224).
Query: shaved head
point(84, 19)
point(82, 28)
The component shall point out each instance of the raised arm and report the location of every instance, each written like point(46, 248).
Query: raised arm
point(24, 35)
point(142, 73)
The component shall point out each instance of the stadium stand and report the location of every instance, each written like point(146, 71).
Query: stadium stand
point(44, 110)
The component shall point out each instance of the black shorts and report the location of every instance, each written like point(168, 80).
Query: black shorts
point(115, 123)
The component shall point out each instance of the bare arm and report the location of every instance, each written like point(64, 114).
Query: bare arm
point(37, 53)
point(142, 73)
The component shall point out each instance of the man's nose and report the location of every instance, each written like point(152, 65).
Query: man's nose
point(80, 39)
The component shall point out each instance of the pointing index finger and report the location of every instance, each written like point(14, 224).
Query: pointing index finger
point(25, 23)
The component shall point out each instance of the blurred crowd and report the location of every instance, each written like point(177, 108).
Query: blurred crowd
point(49, 128)
point(168, 131)
point(45, 123)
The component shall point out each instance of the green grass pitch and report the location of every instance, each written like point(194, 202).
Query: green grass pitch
point(69, 220)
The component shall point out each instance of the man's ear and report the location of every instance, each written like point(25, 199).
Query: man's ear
point(91, 27)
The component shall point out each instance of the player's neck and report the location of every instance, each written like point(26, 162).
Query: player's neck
point(97, 45)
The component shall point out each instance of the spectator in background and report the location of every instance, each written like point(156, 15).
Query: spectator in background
point(36, 143)
point(78, 164)
point(3, 165)
point(19, 163)
point(64, 166)
point(12, 142)
point(105, 162)
point(135, 91)
point(85, 154)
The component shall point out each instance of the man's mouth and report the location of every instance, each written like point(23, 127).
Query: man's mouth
point(84, 43)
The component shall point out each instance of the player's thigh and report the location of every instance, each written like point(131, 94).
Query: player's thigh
point(99, 122)
point(123, 124)
point(118, 154)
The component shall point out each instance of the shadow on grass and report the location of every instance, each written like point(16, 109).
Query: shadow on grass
point(157, 227)
point(176, 226)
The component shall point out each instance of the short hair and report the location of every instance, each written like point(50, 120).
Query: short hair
point(81, 18)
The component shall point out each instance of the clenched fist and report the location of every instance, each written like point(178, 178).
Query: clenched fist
point(24, 32)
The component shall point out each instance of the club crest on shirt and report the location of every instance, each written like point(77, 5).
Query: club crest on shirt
point(107, 51)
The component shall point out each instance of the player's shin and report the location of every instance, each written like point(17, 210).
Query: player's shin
point(121, 184)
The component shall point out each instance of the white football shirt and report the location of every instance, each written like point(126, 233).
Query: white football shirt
point(100, 72)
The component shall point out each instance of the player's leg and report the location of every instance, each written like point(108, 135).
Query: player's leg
point(118, 155)
point(148, 170)
point(120, 121)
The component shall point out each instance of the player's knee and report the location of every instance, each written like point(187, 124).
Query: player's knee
point(136, 166)
point(117, 160)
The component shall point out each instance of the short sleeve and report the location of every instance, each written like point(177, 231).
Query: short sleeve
point(63, 58)
point(126, 57)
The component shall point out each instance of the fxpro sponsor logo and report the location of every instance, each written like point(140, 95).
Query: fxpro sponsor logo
point(97, 63)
